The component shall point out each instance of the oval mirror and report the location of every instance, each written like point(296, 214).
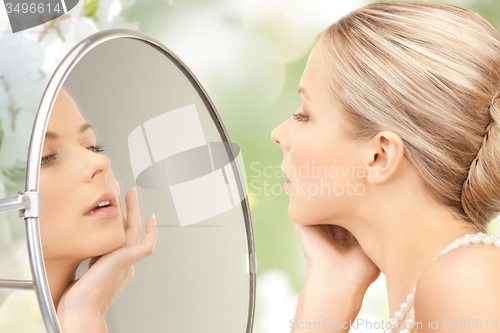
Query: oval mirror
point(122, 111)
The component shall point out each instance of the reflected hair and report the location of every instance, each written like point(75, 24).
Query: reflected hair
point(70, 93)
point(430, 73)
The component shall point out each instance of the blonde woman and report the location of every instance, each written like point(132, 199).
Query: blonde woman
point(399, 130)
point(84, 217)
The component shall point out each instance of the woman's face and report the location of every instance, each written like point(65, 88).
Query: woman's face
point(74, 179)
point(326, 175)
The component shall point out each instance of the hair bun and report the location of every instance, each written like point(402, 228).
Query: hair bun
point(481, 189)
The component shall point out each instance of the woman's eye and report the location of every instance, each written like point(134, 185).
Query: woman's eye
point(47, 159)
point(300, 117)
point(97, 148)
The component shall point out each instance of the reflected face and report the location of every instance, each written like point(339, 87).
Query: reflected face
point(325, 173)
point(82, 215)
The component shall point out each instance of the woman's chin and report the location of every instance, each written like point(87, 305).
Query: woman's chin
point(299, 218)
point(123, 240)
point(112, 244)
point(120, 241)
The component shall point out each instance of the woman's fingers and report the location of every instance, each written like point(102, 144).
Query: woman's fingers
point(128, 255)
point(133, 232)
point(146, 246)
point(149, 240)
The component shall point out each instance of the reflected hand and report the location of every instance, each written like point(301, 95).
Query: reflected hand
point(84, 304)
point(334, 252)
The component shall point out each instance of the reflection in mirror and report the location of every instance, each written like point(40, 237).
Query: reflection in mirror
point(83, 218)
point(130, 115)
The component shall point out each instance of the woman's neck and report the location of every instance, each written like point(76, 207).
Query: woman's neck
point(401, 228)
point(60, 274)
point(407, 252)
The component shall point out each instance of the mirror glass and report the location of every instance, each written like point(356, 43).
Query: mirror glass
point(157, 132)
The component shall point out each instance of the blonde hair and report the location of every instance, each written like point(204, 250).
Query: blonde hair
point(430, 73)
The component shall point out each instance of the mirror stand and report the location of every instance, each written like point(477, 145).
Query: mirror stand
point(29, 205)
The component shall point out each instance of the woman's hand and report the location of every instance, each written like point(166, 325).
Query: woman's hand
point(338, 275)
point(84, 304)
point(333, 251)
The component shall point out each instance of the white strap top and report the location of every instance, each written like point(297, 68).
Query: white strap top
point(403, 319)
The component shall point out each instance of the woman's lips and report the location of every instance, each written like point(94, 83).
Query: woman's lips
point(286, 184)
point(104, 213)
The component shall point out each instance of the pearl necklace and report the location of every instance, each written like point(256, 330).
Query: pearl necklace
point(407, 307)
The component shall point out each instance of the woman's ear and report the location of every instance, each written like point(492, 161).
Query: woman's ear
point(386, 152)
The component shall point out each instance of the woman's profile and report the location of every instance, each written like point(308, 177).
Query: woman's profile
point(400, 119)
point(83, 217)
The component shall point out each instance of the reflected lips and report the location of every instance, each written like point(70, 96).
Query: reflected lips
point(104, 207)
point(286, 184)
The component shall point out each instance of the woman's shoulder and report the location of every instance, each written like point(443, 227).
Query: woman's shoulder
point(471, 259)
point(474, 254)
point(460, 284)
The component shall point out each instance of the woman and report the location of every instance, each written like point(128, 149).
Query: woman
point(400, 122)
point(83, 218)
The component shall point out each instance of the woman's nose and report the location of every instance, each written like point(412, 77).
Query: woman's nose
point(279, 136)
point(97, 166)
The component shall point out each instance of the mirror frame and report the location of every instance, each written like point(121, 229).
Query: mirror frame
point(29, 202)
